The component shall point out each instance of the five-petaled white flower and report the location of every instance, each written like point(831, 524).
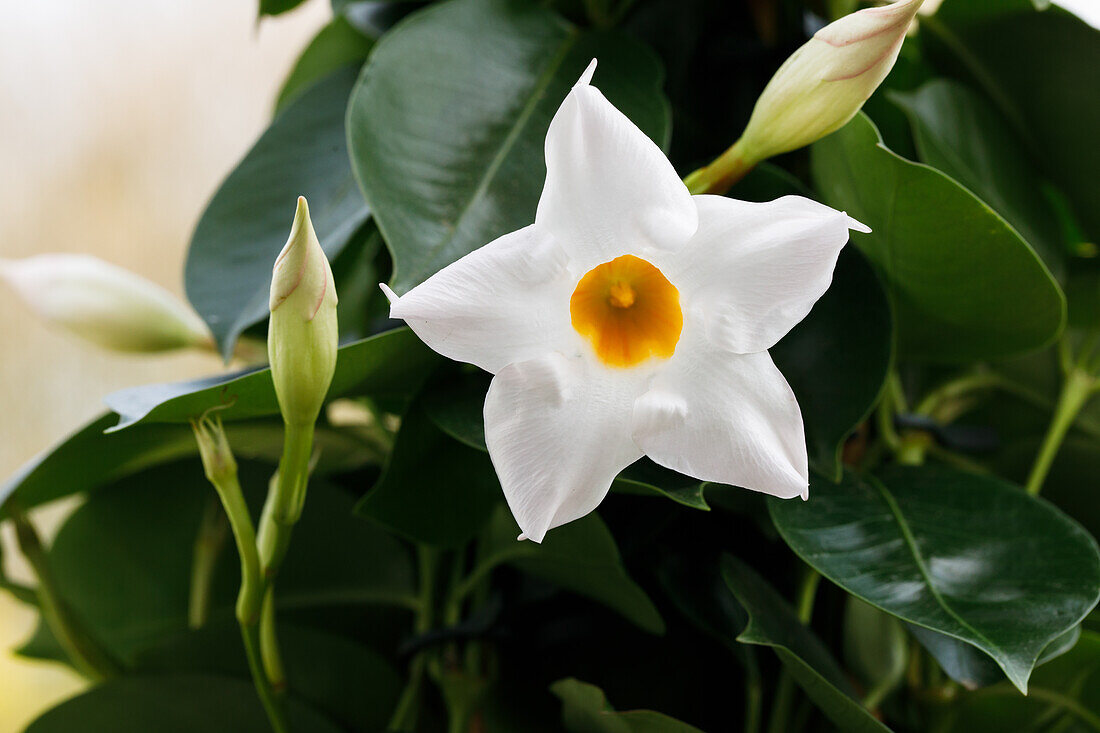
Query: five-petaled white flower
point(631, 319)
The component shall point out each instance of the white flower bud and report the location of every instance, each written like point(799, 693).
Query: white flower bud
point(104, 304)
point(825, 82)
point(302, 336)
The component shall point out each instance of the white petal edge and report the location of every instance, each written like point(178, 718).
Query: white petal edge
point(505, 302)
point(558, 432)
point(724, 417)
point(609, 189)
point(755, 270)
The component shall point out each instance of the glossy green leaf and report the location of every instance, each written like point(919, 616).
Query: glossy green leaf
point(447, 137)
point(392, 364)
point(132, 591)
point(836, 360)
point(962, 282)
point(353, 685)
point(303, 152)
point(970, 556)
point(772, 622)
point(455, 406)
point(335, 46)
point(433, 489)
point(585, 710)
point(580, 556)
point(173, 704)
point(963, 135)
point(1042, 92)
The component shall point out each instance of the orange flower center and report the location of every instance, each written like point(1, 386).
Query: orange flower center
point(628, 311)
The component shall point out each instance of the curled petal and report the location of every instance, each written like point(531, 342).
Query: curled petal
point(724, 417)
point(558, 431)
point(609, 188)
point(754, 270)
point(505, 302)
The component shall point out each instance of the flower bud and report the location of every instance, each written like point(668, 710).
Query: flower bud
point(217, 458)
point(104, 304)
point(302, 336)
point(825, 82)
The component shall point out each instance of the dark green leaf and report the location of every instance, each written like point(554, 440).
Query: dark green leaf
point(336, 45)
point(585, 710)
point(340, 677)
point(969, 556)
point(433, 489)
point(173, 704)
point(447, 139)
point(580, 556)
point(772, 622)
point(133, 590)
point(964, 136)
point(836, 360)
point(392, 364)
point(1041, 92)
point(304, 152)
point(275, 7)
point(963, 283)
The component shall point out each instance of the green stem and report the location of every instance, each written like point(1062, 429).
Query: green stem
point(1076, 391)
point(85, 653)
point(405, 713)
point(754, 700)
point(720, 174)
point(209, 541)
point(269, 644)
point(784, 691)
point(272, 706)
point(285, 498)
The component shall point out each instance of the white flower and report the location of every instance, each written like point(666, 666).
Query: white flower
point(104, 304)
point(631, 319)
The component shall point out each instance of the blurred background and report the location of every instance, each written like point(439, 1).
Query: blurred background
point(118, 119)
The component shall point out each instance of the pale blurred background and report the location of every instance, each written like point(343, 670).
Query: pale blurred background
point(118, 118)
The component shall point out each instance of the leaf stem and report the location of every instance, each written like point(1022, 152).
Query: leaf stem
point(85, 653)
point(1077, 388)
point(405, 714)
point(209, 541)
point(784, 691)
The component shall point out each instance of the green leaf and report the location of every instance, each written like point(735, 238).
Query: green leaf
point(122, 560)
point(391, 365)
point(836, 360)
point(303, 152)
point(580, 556)
point(447, 139)
point(962, 282)
point(772, 622)
point(969, 556)
point(353, 685)
point(276, 7)
point(336, 45)
point(585, 710)
point(455, 406)
point(173, 704)
point(963, 135)
point(875, 646)
point(1041, 95)
point(433, 489)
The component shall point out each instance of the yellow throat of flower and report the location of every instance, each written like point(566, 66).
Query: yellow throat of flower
point(628, 311)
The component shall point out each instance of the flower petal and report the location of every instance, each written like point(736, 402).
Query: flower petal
point(724, 417)
point(754, 270)
point(609, 189)
point(505, 302)
point(558, 431)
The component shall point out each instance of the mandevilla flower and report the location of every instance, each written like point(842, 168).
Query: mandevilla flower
point(303, 333)
point(631, 319)
point(103, 303)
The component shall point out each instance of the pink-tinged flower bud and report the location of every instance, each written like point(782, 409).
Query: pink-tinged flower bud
point(302, 336)
point(103, 303)
point(825, 82)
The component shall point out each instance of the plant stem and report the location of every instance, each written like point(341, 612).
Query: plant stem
point(86, 654)
point(754, 700)
point(719, 175)
point(784, 691)
point(269, 644)
point(209, 541)
point(405, 714)
point(1076, 391)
